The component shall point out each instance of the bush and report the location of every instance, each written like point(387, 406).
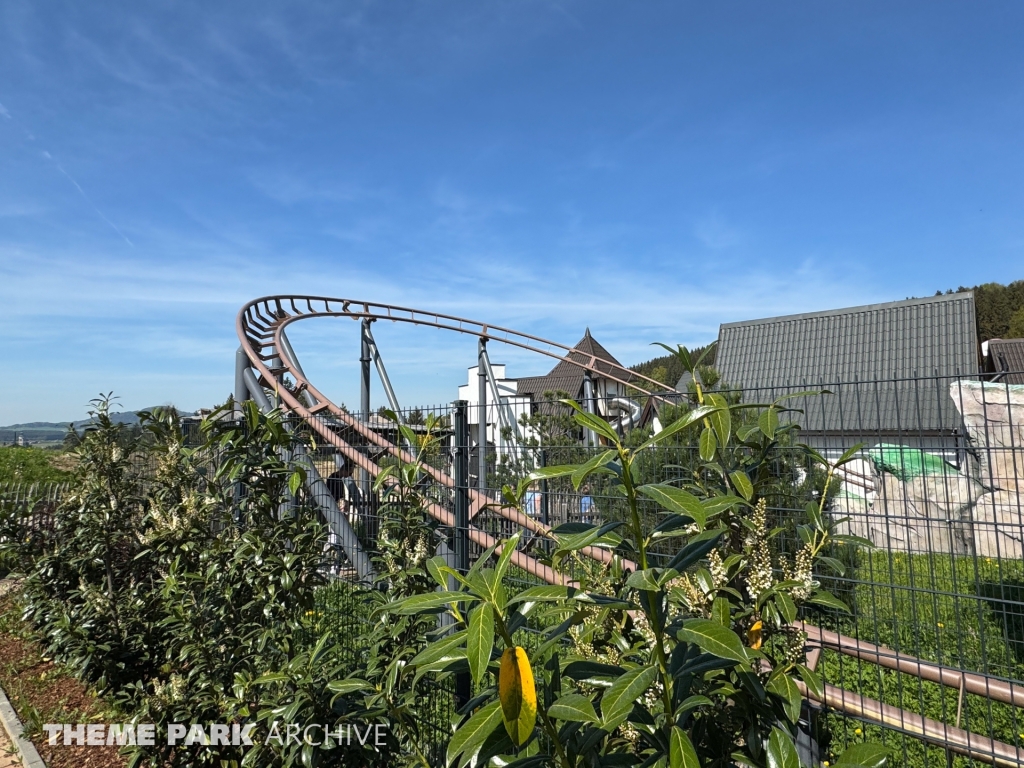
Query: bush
point(188, 595)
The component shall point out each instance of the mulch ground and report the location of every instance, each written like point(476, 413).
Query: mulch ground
point(41, 692)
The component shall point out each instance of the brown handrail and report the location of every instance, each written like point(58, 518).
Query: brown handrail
point(932, 731)
point(971, 682)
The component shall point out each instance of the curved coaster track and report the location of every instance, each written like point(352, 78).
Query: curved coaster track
point(265, 357)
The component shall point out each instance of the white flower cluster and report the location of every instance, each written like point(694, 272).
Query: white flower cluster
point(802, 571)
point(759, 562)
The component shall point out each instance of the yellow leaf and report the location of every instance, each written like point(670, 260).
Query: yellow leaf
point(754, 635)
point(518, 694)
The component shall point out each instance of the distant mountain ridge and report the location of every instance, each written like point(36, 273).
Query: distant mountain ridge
point(54, 431)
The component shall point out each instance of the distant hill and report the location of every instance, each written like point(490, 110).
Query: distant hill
point(667, 369)
point(35, 432)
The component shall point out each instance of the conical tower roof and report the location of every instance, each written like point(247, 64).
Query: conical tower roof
point(568, 377)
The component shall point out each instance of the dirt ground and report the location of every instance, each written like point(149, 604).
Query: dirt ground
point(42, 693)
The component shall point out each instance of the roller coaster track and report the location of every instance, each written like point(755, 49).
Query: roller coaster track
point(261, 326)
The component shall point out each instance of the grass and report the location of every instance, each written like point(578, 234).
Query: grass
point(34, 465)
point(961, 612)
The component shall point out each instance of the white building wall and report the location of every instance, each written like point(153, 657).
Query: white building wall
point(515, 406)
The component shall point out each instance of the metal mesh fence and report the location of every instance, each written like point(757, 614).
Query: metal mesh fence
point(931, 657)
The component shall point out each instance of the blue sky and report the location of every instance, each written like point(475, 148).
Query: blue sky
point(648, 169)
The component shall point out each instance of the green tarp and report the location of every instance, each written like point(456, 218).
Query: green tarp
point(906, 462)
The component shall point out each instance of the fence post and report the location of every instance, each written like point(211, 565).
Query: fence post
point(460, 408)
point(364, 397)
point(545, 510)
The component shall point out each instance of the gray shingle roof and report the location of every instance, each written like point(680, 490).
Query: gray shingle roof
point(871, 356)
point(1008, 355)
point(566, 376)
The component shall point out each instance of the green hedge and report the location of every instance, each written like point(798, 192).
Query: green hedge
point(959, 611)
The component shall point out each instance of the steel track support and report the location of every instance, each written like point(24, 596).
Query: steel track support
point(481, 376)
point(319, 492)
point(241, 390)
point(382, 372)
point(588, 405)
point(286, 347)
point(504, 416)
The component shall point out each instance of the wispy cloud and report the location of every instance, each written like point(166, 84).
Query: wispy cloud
point(291, 188)
point(85, 197)
point(715, 232)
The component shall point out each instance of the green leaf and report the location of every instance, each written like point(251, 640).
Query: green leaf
point(435, 566)
point(781, 750)
point(713, 638)
point(827, 599)
point(469, 738)
point(867, 755)
point(438, 649)
point(681, 352)
point(834, 565)
point(604, 601)
point(676, 500)
point(849, 454)
point(818, 458)
point(698, 546)
point(720, 611)
point(549, 473)
point(692, 702)
point(673, 525)
point(590, 671)
point(718, 504)
point(812, 681)
point(427, 602)
point(295, 481)
point(708, 350)
point(783, 686)
point(507, 549)
point(768, 422)
point(646, 580)
point(272, 677)
point(410, 436)
point(681, 753)
point(348, 685)
point(707, 445)
point(786, 606)
point(597, 424)
point(593, 464)
point(480, 640)
point(677, 426)
point(575, 541)
point(721, 418)
point(802, 393)
point(742, 484)
point(574, 708)
point(545, 594)
point(617, 701)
